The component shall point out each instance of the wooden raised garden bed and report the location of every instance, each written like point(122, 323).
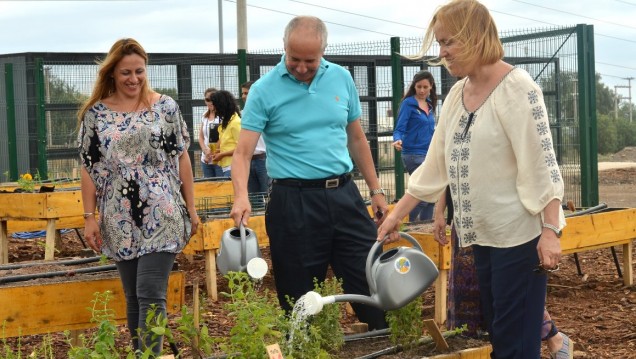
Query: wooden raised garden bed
point(28, 308)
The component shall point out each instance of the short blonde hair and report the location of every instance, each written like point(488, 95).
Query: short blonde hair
point(470, 24)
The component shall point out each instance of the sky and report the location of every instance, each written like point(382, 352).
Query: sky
point(177, 26)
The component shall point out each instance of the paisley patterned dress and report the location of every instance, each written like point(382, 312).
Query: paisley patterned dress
point(133, 160)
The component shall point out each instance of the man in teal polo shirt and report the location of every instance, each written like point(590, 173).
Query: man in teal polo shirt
point(308, 112)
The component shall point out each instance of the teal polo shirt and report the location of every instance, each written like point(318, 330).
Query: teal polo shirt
point(304, 126)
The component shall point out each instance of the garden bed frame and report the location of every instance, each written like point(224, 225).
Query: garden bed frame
point(28, 309)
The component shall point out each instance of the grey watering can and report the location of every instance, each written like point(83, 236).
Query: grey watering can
point(395, 278)
point(239, 252)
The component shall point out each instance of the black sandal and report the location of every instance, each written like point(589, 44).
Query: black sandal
point(548, 333)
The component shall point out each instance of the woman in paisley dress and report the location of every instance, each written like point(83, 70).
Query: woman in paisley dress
point(493, 147)
point(136, 172)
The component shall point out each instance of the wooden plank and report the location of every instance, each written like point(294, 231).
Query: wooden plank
point(210, 274)
point(23, 205)
point(55, 307)
point(49, 248)
point(628, 265)
point(476, 353)
point(38, 225)
point(441, 295)
point(213, 189)
point(64, 204)
point(4, 243)
point(599, 230)
point(436, 334)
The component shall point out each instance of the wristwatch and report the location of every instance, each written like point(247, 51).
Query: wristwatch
point(553, 228)
point(373, 192)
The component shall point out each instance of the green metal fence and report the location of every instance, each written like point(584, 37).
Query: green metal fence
point(40, 94)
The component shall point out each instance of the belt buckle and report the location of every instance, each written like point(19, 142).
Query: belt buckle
point(332, 183)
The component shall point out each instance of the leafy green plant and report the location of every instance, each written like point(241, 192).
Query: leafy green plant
point(6, 351)
point(327, 321)
point(259, 320)
point(406, 324)
point(204, 343)
point(102, 343)
point(103, 259)
point(26, 182)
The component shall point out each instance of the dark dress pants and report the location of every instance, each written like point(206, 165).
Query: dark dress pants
point(312, 228)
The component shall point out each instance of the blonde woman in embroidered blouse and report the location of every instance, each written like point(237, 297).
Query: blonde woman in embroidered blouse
point(493, 147)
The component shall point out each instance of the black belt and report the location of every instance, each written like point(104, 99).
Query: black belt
point(331, 182)
point(260, 156)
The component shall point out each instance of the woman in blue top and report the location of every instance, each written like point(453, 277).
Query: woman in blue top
point(414, 130)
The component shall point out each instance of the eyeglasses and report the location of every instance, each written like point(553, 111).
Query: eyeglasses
point(541, 270)
point(208, 99)
point(468, 124)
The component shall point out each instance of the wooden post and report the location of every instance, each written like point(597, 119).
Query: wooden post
point(210, 273)
point(49, 249)
point(628, 265)
point(441, 286)
point(196, 312)
point(4, 243)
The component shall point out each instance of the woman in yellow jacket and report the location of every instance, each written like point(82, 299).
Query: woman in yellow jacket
point(228, 111)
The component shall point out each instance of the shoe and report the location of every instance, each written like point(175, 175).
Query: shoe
point(566, 351)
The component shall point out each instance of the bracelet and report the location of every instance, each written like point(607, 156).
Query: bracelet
point(373, 192)
point(88, 214)
point(553, 228)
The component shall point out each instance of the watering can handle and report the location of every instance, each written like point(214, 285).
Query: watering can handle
point(372, 254)
point(243, 244)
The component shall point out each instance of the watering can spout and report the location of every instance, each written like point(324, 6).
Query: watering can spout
point(313, 302)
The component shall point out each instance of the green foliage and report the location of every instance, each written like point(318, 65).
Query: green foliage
point(406, 323)
point(316, 336)
point(27, 183)
point(198, 338)
point(327, 322)
point(259, 320)
point(44, 351)
point(63, 124)
point(103, 259)
point(102, 343)
point(607, 135)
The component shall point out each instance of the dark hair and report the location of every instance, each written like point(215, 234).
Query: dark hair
point(209, 90)
point(225, 105)
point(423, 75)
point(247, 84)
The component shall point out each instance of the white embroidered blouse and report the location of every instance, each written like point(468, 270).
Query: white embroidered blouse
point(502, 169)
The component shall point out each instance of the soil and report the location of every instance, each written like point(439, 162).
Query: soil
point(595, 309)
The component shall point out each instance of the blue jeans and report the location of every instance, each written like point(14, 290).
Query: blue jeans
point(145, 282)
point(210, 170)
point(258, 180)
point(424, 210)
point(258, 183)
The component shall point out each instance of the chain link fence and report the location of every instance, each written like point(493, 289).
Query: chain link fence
point(41, 92)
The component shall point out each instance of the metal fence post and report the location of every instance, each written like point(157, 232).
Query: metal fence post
point(587, 115)
point(398, 91)
point(40, 114)
point(11, 129)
